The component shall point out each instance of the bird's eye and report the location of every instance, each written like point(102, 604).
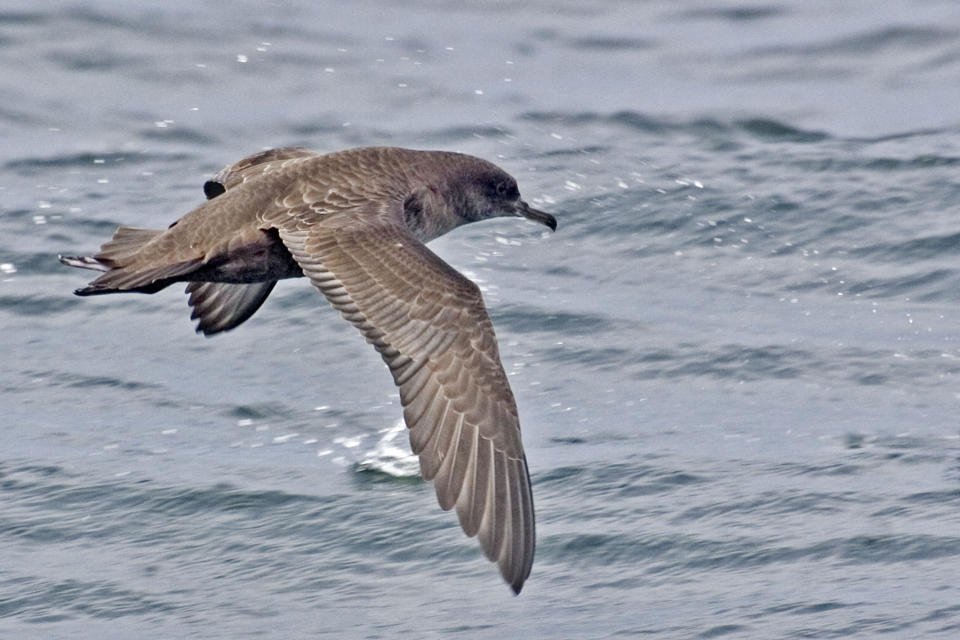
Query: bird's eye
point(506, 189)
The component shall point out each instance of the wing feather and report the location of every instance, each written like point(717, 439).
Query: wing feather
point(221, 306)
point(250, 166)
point(430, 326)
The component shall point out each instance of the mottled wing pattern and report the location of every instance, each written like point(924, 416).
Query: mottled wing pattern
point(430, 326)
point(252, 165)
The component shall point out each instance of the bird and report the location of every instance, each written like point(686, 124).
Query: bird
point(355, 223)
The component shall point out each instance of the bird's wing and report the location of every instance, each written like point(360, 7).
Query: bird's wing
point(430, 326)
point(252, 165)
point(221, 306)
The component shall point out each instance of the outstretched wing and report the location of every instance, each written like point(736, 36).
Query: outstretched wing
point(430, 326)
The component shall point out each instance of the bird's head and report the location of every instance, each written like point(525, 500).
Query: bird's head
point(486, 191)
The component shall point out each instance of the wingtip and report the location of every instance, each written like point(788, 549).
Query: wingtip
point(205, 330)
point(212, 189)
point(516, 582)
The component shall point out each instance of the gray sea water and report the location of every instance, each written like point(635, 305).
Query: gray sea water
point(737, 361)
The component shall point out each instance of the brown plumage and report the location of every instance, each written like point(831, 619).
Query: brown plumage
point(355, 223)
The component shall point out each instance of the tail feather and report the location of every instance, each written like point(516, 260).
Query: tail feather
point(118, 279)
point(126, 242)
point(83, 262)
point(115, 260)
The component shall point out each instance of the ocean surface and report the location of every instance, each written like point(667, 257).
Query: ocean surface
point(737, 361)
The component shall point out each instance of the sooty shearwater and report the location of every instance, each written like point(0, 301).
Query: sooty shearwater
point(355, 223)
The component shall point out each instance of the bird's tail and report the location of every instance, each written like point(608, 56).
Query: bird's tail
point(119, 274)
point(83, 262)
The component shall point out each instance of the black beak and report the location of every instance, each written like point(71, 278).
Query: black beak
point(528, 212)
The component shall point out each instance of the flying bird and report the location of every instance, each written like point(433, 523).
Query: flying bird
point(355, 223)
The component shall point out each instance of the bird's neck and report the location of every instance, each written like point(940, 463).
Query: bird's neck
point(429, 215)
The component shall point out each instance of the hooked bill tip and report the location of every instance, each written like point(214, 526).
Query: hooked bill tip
point(536, 215)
